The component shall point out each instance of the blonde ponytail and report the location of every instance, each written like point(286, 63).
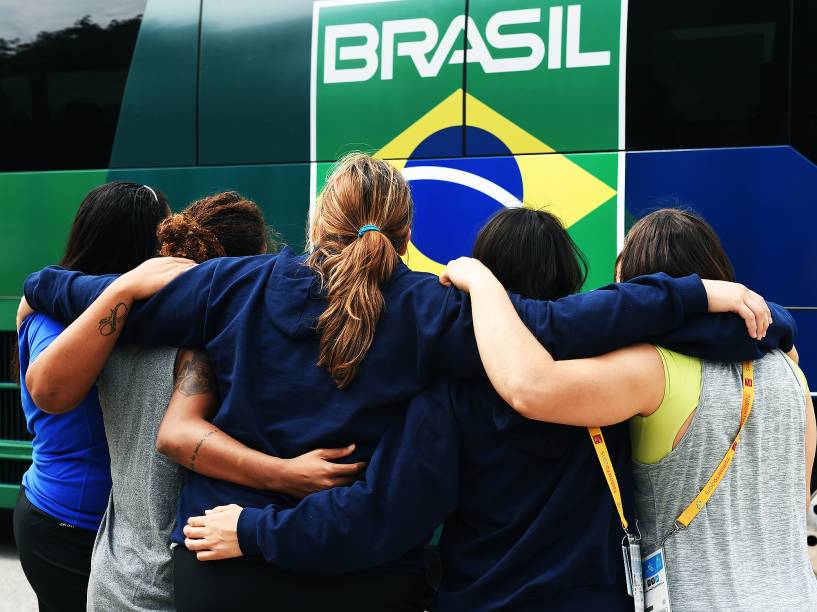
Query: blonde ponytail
point(361, 223)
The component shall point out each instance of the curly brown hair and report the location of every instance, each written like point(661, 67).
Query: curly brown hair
point(223, 224)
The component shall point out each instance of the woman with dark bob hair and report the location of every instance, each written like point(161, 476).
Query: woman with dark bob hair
point(710, 439)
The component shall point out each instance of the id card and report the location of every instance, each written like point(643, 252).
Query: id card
point(631, 551)
point(656, 589)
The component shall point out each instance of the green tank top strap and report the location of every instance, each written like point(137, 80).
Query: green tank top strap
point(652, 436)
point(800, 376)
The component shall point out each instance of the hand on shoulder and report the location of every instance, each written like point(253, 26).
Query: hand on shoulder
point(465, 273)
point(152, 276)
point(724, 296)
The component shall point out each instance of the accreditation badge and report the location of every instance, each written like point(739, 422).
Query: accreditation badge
point(656, 589)
point(631, 551)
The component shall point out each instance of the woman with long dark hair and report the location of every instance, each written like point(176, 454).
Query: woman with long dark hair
point(382, 333)
point(65, 491)
point(722, 452)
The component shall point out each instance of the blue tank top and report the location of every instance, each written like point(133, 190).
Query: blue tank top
point(70, 476)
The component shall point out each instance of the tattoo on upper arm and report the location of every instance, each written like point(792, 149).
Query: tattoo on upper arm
point(112, 322)
point(196, 450)
point(194, 375)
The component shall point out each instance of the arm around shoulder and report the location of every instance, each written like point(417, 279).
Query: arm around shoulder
point(595, 391)
point(66, 370)
point(614, 316)
point(63, 294)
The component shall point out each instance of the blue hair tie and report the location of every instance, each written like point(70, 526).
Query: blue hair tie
point(367, 228)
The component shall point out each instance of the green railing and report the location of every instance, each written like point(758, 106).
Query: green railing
point(14, 450)
point(17, 450)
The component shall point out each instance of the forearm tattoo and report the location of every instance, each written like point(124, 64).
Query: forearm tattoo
point(196, 450)
point(113, 321)
point(195, 376)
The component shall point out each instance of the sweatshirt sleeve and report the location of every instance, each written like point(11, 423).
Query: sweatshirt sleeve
point(178, 315)
point(580, 325)
point(723, 337)
point(63, 294)
point(410, 488)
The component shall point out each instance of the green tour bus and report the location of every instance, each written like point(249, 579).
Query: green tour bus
point(597, 109)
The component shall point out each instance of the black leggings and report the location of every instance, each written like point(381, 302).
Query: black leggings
point(250, 584)
point(56, 557)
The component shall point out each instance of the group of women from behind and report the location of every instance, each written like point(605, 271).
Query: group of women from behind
point(97, 506)
point(343, 370)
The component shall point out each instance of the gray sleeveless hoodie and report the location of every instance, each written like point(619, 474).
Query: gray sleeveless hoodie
point(131, 566)
point(747, 549)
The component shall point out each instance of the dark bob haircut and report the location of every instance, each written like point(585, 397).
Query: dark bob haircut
point(531, 253)
point(677, 242)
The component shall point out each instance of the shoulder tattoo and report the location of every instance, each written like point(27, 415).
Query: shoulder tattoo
point(195, 376)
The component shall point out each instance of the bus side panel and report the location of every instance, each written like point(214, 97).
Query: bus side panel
point(762, 201)
point(157, 120)
point(38, 209)
point(281, 190)
point(254, 81)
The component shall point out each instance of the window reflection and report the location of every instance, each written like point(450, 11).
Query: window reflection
point(704, 74)
point(61, 88)
point(804, 83)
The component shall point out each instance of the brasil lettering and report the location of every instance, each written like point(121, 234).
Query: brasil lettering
point(379, 47)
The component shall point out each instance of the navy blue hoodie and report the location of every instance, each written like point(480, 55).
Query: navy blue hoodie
point(256, 317)
point(529, 521)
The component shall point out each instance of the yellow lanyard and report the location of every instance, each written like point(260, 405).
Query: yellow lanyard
point(607, 469)
point(688, 515)
point(692, 510)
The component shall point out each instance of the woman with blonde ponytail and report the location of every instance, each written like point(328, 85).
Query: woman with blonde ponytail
point(326, 349)
point(365, 220)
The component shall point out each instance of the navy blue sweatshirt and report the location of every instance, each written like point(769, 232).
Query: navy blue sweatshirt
point(529, 522)
point(256, 317)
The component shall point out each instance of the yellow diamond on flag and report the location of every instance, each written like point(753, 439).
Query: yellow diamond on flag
point(549, 180)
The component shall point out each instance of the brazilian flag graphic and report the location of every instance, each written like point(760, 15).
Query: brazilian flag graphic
point(512, 104)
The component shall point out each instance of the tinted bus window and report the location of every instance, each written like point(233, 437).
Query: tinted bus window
point(708, 74)
point(804, 83)
point(63, 67)
point(254, 86)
